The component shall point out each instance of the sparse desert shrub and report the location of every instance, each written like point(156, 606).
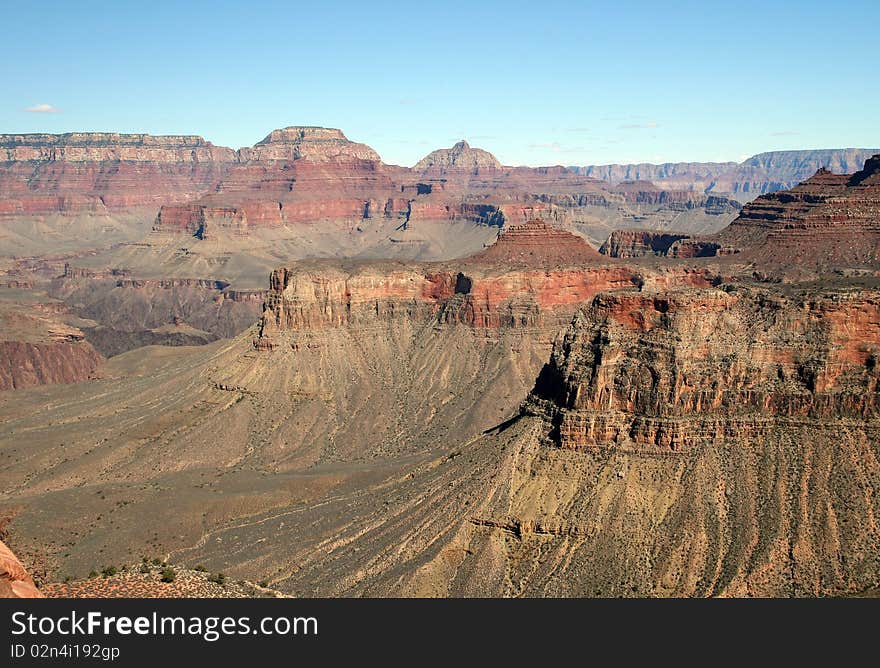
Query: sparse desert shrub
point(93, 574)
point(219, 578)
point(109, 571)
point(263, 583)
point(145, 567)
point(157, 561)
point(168, 574)
point(201, 569)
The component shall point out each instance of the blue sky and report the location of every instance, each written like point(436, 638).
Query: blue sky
point(535, 82)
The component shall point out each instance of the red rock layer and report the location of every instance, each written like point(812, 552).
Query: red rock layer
point(26, 364)
point(536, 243)
point(296, 175)
point(534, 276)
point(100, 172)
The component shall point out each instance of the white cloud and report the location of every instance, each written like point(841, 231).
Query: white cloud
point(43, 109)
point(639, 126)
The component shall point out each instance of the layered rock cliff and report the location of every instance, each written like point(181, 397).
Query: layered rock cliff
point(38, 348)
point(97, 173)
point(828, 222)
point(315, 144)
point(675, 370)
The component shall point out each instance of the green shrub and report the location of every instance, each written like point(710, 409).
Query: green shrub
point(201, 569)
point(219, 578)
point(109, 571)
point(168, 574)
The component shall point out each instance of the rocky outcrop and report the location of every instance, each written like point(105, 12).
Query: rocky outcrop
point(639, 243)
point(38, 348)
point(671, 371)
point(14, 579)
point(314, 144)
point(111, 147)
point(97, 173)
point(461, 157)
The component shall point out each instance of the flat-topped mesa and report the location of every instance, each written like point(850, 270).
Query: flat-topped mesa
point(111, 146)
point(460, 158)
point(313, 144)
point(537, 244)
point(672, 370)
point(97, 173)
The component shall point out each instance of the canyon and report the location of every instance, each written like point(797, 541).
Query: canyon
point(473, 402)
point(169, 239)
point(744, 181)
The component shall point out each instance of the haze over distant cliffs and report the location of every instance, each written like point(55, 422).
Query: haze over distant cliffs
point(760, 174)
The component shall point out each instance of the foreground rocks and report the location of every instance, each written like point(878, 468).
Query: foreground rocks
point(14, 579)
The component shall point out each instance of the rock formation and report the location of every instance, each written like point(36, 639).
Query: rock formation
point(461, 157)
point(828, 222)
point(676, 370)
point(38, 348)
point(314, 144)
point(639, 243)
point(98, 173)
point(14, 579)
point(536, 243)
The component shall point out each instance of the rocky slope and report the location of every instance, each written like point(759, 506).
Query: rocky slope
point(460, 158)
point(37, 347)
point(760, 174)
point(828, 222)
